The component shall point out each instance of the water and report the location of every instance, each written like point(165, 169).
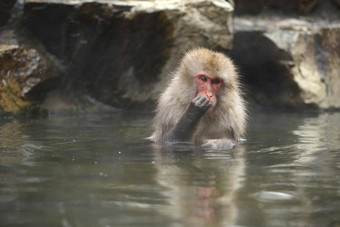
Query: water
point(96, 170)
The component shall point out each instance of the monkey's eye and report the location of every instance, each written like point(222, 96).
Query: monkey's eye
point(204, 78)
point(216, 81)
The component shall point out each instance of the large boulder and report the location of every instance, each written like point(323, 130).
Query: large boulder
point(121, 52)
point(291, 61)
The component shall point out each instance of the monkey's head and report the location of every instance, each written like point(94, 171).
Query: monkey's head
point(210, 72)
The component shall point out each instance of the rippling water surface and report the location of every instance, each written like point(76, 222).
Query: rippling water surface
point(96, 170)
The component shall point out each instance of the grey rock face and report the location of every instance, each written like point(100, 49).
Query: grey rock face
point(120, 52)
point(291, 61)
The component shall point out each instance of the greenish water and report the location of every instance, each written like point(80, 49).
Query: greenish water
point(96, 170)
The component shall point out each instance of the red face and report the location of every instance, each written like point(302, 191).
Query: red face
point(208, 85)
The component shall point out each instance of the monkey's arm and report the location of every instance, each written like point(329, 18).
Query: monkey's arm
point(185, 127)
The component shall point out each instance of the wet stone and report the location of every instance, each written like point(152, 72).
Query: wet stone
point(21, 69)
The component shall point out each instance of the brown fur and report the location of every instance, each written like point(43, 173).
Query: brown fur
point(226, 120)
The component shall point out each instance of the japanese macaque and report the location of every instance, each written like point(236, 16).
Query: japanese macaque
point(202, 104)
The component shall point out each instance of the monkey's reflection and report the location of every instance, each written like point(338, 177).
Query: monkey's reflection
point(200, 185)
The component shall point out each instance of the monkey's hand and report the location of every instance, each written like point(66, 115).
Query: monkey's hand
point(185, 127)
point(219, 143)
point(201, 102)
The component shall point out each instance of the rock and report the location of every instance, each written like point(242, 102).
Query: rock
point(290, 62)
point(5, 10)
point(22, 68)
point(249, 6)
point(300, 6)
point(121, 52)
point(289, 6)
point(337, 2)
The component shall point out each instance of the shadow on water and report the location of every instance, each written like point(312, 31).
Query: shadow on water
point(96, 170)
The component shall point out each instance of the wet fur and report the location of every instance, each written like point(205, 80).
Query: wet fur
point(226, 120)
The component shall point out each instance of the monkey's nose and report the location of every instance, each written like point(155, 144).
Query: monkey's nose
point(209, 94)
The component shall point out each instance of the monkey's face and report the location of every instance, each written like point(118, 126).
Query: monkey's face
point(208, 86)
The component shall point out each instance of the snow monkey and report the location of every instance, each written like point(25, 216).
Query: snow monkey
point(202, 104)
